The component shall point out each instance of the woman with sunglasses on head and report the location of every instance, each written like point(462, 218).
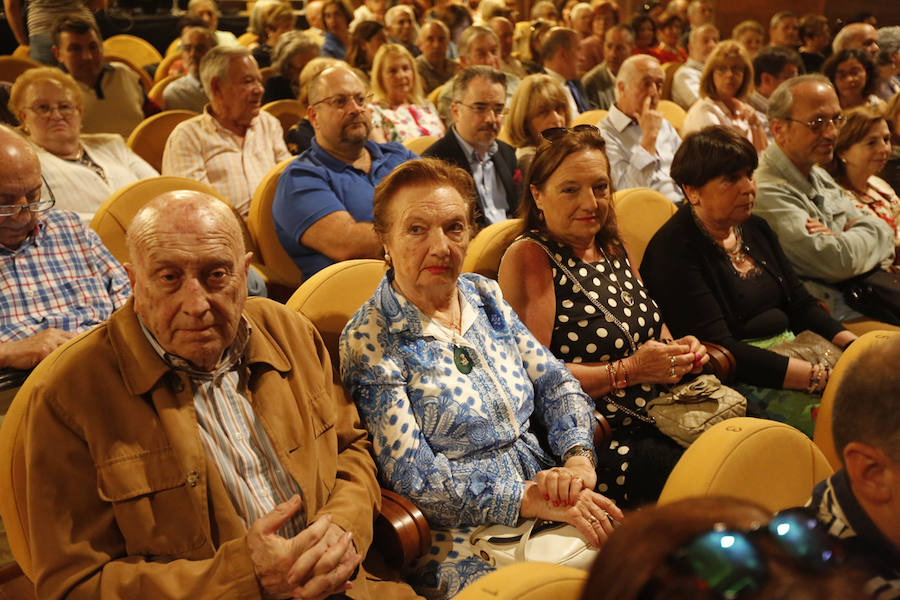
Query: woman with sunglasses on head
point(726, 80)
point(710, 548)
point(569, 278)
point(720, 273)
point(449, 383)
point(81, 171)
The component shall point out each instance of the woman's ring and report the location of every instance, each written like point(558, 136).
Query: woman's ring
point(593, 520)
point(672, 361)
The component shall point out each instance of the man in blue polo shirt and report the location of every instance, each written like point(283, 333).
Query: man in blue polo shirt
point(323, 203)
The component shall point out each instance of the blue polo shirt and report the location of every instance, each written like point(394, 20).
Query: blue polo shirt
point(317, 184)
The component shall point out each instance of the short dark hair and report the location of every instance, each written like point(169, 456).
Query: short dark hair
point(668, 21)
point(865, 404)
point(460, 82)
point(547, 159)
point(857, 124)
point(341, 6)
point(73, 24)
point(829, 69)
point(812, 25)
point(712, 152)
point(639, 20)
point(559, 37)
point(772, 60)
point(431, 171)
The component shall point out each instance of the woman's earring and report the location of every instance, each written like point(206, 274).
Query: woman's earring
point(387, 259)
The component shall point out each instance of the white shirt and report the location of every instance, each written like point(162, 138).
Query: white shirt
point(490, 188)
point(565, 86)
point(80, 188)
point(630, 164)
point(686, 83)
point(706, 112)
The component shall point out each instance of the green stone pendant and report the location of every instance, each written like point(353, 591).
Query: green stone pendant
point(462, 359)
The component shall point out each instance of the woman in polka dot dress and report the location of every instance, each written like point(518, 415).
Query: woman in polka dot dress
point(569, 279)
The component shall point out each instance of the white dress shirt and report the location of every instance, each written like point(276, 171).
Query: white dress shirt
point(686, 83)
point(630, 164)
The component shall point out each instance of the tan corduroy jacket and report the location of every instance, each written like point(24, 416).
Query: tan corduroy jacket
point(119, 487)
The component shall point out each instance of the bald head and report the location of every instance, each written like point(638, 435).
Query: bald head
point(20, 183)
point(314, 14)
point(857, 35)
point(639, 80)
point(188, 274)
point(15, 149)
point(320, 87)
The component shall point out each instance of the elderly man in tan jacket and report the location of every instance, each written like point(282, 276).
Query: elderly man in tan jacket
point(195, 445)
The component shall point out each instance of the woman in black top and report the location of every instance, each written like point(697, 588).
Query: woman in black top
point(719, 272)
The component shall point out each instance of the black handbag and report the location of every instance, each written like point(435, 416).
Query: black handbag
point(875, 294)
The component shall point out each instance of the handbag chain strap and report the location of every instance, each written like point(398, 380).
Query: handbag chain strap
point(609, 317)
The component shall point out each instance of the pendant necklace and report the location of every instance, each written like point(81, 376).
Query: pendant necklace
point(625, 295)
point(461, 357)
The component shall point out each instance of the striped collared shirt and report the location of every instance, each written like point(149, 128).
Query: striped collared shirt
point(233, 436)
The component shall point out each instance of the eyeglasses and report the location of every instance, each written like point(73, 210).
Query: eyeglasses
point(733, 69)
point(65, 109)
point(483, 108)
point(41, 206)
point(818, 125)
point(341, 101)
point(554, 134)
point(730, 563)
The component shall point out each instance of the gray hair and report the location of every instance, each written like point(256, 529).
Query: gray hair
point(291, 44)
point(889, 40)
point(629, 65)
point(695, 5)
point(781, 102)
point(472, 33)
point(780, 16)
point(580, 7)
point(462, 79)
point(217, 62)
point(437, 23)
point(393, 13)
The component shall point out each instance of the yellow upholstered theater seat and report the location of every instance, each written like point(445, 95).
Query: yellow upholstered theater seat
point(823, 436)
point(767, 462)
point(487, 248)
point(281, 269)
point(135, 49)
point(673, 113)
point(590, 117)
point(528, 581)
point(13, 66)
point(156, 92)
point(420, 144)
point(148, 140)
point(330, 297)
point(288, 112)
point(669, 69)
point(640, 213)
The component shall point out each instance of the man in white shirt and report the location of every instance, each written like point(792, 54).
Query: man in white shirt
point(686, 83)
point(232, 145)
point(640, 143)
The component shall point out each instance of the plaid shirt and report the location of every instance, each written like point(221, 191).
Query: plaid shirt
point(60, 277)
point(200, 148)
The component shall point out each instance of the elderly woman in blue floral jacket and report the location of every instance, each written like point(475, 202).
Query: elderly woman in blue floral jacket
point(448, 379)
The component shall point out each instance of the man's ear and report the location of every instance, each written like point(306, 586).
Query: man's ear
point(56, 53)
point(454, 111)
point(870, 472)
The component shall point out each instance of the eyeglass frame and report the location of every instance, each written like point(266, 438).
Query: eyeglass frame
point(56, 107)
point(487, 108)
point(819, 125)
point(682, 561)
point(29, 206)
point(366, 99)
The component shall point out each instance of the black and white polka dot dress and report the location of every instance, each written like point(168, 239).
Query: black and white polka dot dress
point(640, 458)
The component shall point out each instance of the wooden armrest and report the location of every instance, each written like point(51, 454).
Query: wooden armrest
point(602, 432)
point(402, 533)
point(721, 362)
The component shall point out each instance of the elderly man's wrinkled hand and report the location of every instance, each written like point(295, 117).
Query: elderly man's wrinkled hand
point(27, 353)
point(273, 555)
point(326, 568)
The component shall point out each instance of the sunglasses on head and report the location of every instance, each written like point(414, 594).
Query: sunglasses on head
point(730, 563)
point(554, 134)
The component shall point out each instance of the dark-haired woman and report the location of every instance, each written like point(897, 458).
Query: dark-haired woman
point(719, 272)
point(854, 77)
point(336, 17)
point(570, 280)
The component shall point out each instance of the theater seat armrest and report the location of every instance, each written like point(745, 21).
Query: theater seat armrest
point(402, 533)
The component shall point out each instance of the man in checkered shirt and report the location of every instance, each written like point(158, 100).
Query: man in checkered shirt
point(56, 277)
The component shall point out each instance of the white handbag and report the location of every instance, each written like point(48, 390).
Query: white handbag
point(533, 540)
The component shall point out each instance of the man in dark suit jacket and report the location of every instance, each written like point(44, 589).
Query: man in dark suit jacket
point(560, 54)
point(479, 103)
